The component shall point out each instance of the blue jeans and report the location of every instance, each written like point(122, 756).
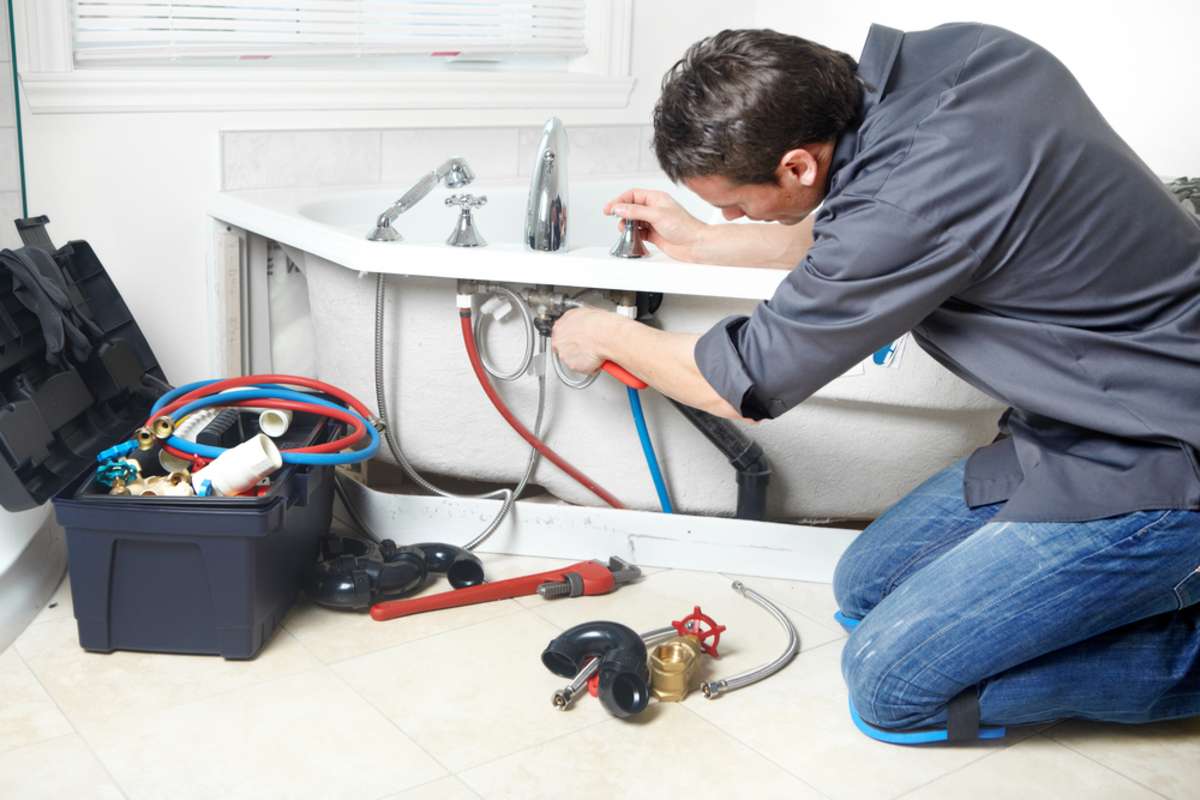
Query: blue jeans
point(1096, 620)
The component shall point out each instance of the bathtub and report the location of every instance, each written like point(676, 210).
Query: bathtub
point(848, 453)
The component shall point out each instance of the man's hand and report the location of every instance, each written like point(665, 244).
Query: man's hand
point(672, 229)
point(681, 236)
point(578, 338)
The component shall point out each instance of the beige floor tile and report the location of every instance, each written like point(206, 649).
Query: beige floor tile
point(813, 600)
point(53, 770)
point(334, 636)
point(1164, 756)
point(799, 719)
point(446, 789)
point(27, 714)
point(89, 686)
point(473, 694)
point(58, 606)
point(1035, 769)
point(305, 735)
point(668, 752)
point(753, 636)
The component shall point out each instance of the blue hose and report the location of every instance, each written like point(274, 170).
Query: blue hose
point(268, 391)
point(639, 420)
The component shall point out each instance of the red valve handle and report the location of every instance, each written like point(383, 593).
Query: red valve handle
point(623, 375)
point(701, 626)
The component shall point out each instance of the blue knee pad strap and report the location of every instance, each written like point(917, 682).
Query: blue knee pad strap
point(924, 736)
point(848, 623)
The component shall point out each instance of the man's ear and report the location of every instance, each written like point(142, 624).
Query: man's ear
point(799, 165)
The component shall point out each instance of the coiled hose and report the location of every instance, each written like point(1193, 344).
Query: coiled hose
point(530, 334)
point(718, 687)
point(509, 496)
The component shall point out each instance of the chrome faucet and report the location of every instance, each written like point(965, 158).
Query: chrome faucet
point(546, 209)
point(455, 172)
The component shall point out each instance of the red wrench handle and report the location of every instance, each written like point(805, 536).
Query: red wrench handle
point(483, 593)
point(623, 375)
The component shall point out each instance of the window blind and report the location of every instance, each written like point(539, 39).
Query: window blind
point(254, 29)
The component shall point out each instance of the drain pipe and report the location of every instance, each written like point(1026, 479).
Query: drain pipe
point(744, 454)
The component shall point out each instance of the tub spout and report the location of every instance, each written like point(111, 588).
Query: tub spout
point(546, 210)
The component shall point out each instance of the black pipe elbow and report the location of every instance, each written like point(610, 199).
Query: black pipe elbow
point(745, 455)
point(354, 574)
point(462, 567)
point(624, 677)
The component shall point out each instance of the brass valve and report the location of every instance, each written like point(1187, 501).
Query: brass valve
point(673, 666)
point(145, 438)
point(673, 663)
point(163, 427)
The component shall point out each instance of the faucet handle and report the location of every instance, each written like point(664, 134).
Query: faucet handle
point(630, 244)
point(466, 200)
point(465, 233)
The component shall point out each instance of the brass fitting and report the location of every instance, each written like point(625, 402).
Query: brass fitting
point(145, 438)
point(672, 667)
point(163, 427)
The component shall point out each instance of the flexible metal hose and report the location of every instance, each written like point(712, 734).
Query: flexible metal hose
point(509, 496)
point(574, 383)
point(530, 335)
point(718, 687)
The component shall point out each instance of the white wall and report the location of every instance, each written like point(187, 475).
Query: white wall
point(1139, 62)
point(136, 185)
point(10, 176)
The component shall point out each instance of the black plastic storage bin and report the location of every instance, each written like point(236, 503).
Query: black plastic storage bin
point(212, 575)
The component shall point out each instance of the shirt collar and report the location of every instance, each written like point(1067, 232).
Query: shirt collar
point(874, 68)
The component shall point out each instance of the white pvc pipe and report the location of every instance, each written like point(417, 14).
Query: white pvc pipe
point(274, 422)
point(241, 467)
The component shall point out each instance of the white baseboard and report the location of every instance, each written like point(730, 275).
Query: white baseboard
point(30, 580)
point(555, 530)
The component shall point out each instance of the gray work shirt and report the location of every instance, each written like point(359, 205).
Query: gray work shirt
point(984, 204)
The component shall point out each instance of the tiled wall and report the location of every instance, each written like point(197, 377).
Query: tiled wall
point(281, 159)
point(10, 175)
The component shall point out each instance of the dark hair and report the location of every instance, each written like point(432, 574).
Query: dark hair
point(738, 100)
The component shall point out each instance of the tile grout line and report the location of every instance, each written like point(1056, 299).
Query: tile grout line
point(819, 622)
point(407, 641)
point(1106, 766)
point(497, 759)
point(754, 750)
point(960, 768)
point(450, 772)
point(402, 732)
point(77, 732)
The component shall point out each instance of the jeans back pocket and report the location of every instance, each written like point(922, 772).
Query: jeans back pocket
point(1188, 590)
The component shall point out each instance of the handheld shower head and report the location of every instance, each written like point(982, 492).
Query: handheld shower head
point(458, 173)
point(455, 173)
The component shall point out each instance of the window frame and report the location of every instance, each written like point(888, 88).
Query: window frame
point(51, 82)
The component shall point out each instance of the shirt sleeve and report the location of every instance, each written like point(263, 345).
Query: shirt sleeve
point(874, 272)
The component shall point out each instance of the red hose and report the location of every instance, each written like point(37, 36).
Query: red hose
point(247, 380)
point(490, 391)
point(337, 445)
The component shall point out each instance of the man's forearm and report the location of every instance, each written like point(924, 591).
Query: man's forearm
point(756, 245)
point(664, 360)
